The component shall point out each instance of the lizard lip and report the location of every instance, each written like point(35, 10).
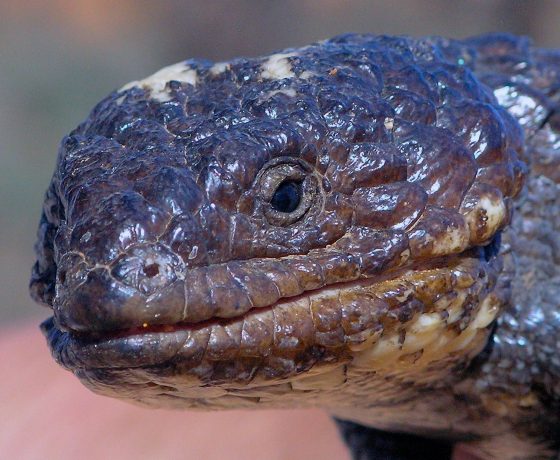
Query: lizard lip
point(326, 319)
point(147, 328)
point(194, 322)
point(100, 299)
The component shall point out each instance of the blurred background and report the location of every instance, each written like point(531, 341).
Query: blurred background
point(59, 57)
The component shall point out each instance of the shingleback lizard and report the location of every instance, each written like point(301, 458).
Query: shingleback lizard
point(367, 224)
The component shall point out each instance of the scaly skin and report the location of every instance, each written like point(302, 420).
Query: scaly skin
point(326, 226)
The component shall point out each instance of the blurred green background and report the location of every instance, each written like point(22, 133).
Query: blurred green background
point(59, 57)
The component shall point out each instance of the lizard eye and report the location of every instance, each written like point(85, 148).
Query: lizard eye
point(288, 191)
point(287, 196)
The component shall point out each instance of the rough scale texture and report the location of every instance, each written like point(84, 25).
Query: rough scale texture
point(325, 226)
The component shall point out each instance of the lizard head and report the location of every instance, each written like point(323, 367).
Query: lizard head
point(221, 235)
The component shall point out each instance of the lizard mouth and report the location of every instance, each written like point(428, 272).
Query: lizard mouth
point(364, 321)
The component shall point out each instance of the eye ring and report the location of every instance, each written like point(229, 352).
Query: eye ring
point(288, 190)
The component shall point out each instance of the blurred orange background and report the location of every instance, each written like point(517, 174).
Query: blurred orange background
point(58, 58)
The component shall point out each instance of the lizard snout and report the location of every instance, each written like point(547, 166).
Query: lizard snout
point(143, 285)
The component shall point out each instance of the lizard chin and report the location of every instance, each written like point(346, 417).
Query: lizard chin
point(406, 320)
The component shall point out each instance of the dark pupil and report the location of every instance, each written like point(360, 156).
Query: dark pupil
point(287, 196)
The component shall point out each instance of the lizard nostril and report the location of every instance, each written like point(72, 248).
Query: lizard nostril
point(147, 268)
point(151, 270)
